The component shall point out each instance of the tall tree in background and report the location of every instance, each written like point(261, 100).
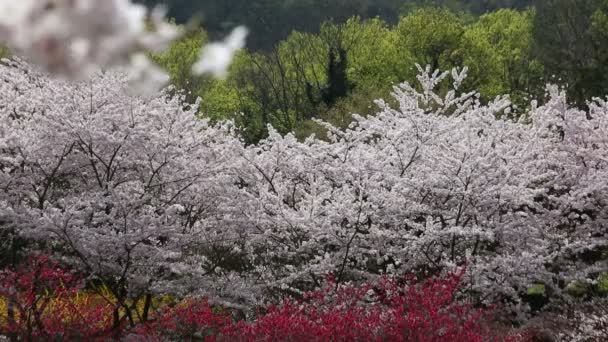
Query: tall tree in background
point(498, 50)
point(337, 63)
point(433, 37)
point(572, 42)
point(337, 86)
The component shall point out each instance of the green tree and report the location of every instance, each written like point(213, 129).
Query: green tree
point(375, 60)
point(285, 84)
point(231, 99)
point(346, 65)
point(433, 37)
point(498, 49)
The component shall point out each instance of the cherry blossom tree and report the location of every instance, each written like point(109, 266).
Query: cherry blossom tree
point(125, 188)
point(434, 184)
point(574, 183)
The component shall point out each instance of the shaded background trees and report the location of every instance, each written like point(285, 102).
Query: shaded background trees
point(572, 41)
point(324, 59)
point(272, 20)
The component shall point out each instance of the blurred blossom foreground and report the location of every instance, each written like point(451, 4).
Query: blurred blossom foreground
point(74, 38)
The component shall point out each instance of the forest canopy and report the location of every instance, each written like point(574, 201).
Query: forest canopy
point(308, 60)
point(272, 20)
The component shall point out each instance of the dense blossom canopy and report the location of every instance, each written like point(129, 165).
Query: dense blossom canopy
point(142, 194)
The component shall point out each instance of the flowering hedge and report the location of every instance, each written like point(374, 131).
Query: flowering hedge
point(43, 303)
point(387, 310)
point(44, 306)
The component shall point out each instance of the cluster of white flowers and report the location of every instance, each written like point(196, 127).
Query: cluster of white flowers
point(141, 192)
point(126, 182)
point(587, 327)
point(74, 38)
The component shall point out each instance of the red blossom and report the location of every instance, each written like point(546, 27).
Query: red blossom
point(388, 310)
point(42, 304)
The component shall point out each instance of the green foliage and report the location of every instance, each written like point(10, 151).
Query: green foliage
point(352, 60)
point(360, 101)
point(536, 290)
point(433, 37)
point(468, 6)
point(345, 66)
point(375, 57)
point(178, 60)
point(602, 284)
point(4, 52)
point(221, 101)
point(498, 49)
point(578, 288)
point(220, 98)
point(273, 20)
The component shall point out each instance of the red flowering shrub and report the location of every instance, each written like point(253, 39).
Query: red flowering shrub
point(41, 303)
point(44, 305)
point(429, 312)
point(191, 320)
point(314, 320)
point(389, 310)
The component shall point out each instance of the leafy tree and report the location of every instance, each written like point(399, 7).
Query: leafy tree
point(498, 49)
point(432, 36)
point(220, 101)
point(375, 59)
point(273, 20)
point(303, 76)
